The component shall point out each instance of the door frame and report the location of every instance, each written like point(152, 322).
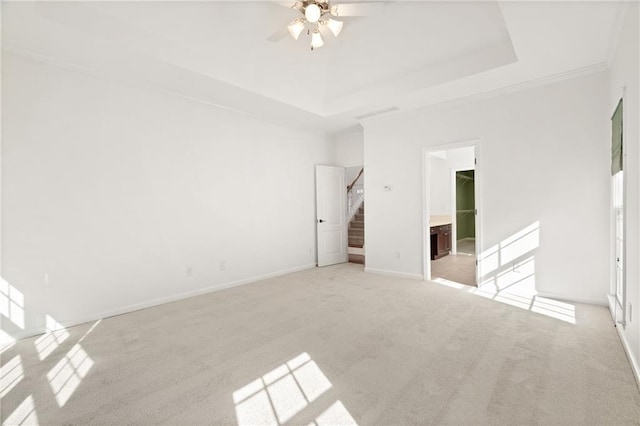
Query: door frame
point(619, 310)
point(426, 203)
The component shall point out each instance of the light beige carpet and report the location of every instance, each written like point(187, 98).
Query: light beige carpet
point(331, 346)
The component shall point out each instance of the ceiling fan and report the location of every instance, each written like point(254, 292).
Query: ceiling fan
point(317, 16)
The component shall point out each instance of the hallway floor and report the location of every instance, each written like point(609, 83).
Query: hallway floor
point(459, 268)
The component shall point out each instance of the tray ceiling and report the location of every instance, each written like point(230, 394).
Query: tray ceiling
point(218, 52)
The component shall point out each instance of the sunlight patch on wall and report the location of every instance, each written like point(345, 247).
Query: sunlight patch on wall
point(520, 274)
point(337, 414)
point(490, 259)
point(24, 414)
point(281, 393)
point(6, 341)
point(520, 243)
point(11, 303)
point(55, 334)
point(509, 276)
point(67, 374)
point(10, 375)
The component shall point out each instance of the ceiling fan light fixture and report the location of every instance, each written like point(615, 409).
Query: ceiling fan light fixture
point(313, 13)
point(335, 26)
point(316, 40)
point(295, 28)
point(316, 15)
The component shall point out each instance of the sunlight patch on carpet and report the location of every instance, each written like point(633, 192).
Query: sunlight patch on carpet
point(55, 334)
point(10, 375)
point(24, 414)
point(66, 375)
point(284, 392)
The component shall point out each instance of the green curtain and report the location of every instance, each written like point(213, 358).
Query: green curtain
point(616, 140)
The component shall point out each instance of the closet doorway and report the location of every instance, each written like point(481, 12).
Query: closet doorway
point(451, 243)
point(464, 239)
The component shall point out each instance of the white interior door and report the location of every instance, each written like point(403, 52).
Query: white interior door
point(331, 215)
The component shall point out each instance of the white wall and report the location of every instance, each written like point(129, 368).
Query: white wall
point(440, 175)
point(624, 71)
point(461, 158)
point(110, 193)
point(544, 158)
point(439, 186)
point(349, 148)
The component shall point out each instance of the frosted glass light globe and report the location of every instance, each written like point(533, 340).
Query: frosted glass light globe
point(316, 40)
point(335, 26)
point(295, 28)
point(312, 13)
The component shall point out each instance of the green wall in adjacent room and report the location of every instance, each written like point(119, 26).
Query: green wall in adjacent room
point(465, 200)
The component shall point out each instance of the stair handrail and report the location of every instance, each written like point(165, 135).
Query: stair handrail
point(350, 187)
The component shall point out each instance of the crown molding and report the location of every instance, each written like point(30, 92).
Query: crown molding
point(492, 93)
point(281, 120)
point(111, 77)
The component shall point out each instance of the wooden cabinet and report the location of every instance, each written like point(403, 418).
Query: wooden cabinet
point(440, 241)
point(447, 239)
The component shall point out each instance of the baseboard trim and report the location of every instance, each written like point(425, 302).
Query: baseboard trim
point(635, 367)
point(393, 273)
point(167, 299)
point(564, 297)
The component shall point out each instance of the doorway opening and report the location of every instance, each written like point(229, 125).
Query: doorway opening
point(355, 214)
point(464, 242)
point(451, 219)
point(618, 305)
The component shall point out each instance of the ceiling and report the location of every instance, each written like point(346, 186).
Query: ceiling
point(403, 55)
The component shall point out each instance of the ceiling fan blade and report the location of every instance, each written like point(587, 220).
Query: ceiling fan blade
point(358, 9)
point(278, 35)
point(291, 4)
point(283, 3)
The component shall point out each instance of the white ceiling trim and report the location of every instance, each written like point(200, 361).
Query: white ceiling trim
point(92, 72)
point(479, 61)
point(586, 44)
point(544, 81)
point(310, 123)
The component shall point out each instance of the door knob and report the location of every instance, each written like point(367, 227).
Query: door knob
point(320, 221)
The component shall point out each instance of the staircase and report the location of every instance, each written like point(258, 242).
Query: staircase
point(356, 237)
